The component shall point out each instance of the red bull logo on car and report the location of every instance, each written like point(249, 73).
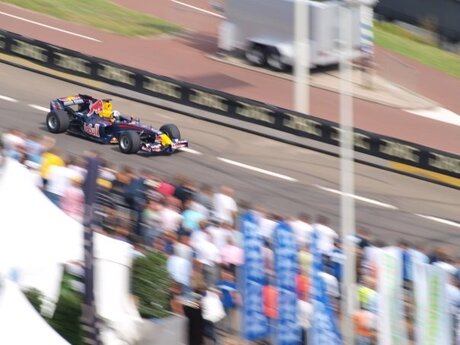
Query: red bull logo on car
point(92, 130)
point(96, 108)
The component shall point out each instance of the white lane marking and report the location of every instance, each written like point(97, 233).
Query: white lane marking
point(198, 9)
point(49, 27)
point(164, 116)
point(8, 99)
point(440, 220)
point(38, 107)
point(438, 114)
point(189, 150)
point(357, 197)
point(259, 170)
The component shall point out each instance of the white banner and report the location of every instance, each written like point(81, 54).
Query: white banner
point(367, 30)
point(433, 325)
point(391, 325)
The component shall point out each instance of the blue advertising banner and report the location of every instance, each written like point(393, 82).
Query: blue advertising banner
point(286, 265)
point(255, 324)
point(324, 329)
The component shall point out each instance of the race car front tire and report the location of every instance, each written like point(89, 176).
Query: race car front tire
point(57, 121)
point(129, 142)
point(171, 130)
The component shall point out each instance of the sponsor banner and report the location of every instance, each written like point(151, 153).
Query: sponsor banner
point(444, 163)
point(391, 326)
point(210, 100)
point(71, 63)
point(251, 111)
point(286, 264)
point(300, 124)
point(162, 88)
point(255, 324)
point(29, 50)
point(432, 322)
point(114, 73)
point(367, 31)
point(2, 41)
point(324, 330)
point(227, 105)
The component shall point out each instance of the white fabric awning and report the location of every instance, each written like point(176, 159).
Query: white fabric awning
point(20, 322)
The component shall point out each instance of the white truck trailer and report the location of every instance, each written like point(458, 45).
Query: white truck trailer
point(264, 31)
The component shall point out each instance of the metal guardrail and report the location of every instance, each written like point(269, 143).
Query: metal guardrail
point(201, 98)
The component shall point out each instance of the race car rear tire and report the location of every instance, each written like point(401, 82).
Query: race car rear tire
point(57, 121)
point(129, 142)
point(171, 130)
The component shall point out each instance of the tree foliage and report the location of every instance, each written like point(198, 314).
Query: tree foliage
point(150, 283)
point(66, 318)
point(35, 298)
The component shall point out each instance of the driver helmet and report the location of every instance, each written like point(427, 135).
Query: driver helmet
point(116, 115)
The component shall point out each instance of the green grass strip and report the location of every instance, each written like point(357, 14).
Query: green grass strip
point(401, 41)
point(102, 14)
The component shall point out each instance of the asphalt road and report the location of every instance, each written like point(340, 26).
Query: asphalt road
point(288, 180)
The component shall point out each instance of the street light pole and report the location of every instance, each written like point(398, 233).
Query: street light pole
point(301, 56)
point(347, 174)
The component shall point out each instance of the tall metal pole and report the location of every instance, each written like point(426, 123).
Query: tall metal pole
point(347, 211)
point(301, 56)
point(91, 331)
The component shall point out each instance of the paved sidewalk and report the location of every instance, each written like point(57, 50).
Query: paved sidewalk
point(379, 90)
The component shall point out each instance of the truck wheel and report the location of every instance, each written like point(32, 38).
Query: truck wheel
point(129, 142)
point(274, 60)
point(57, 121)
point(171, 131)
point(256, 55)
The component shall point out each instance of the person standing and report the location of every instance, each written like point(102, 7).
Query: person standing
point(232, 256)
point(180, 270)
point(326, 235)
point(151, 222)
point(136, 198)
point(225, 207)
point(302, 229)
point(191, 218)
point(193, 311)
point(305, 310)
point(270, 300)
point(337, 260)
point(49, 159)
point(58, 180)
point(73, 200)
point(170, 214)
point(367, 295)
point(230, 299)
point(365, 323)
point(213, 312)
point(208, 254)
point(219, 234)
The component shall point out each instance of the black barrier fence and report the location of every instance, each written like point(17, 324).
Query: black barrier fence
point(225, 104)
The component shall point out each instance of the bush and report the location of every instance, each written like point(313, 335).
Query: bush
point(35, 298)
point(150, 283)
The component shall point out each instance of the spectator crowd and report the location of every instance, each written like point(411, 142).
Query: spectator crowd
point(196, 226)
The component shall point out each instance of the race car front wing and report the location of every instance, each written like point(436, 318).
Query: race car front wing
point(157, 147)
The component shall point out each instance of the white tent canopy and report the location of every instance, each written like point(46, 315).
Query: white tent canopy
point(20, 322)
point(37, 238)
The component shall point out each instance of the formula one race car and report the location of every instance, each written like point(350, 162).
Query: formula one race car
point(94, 119)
